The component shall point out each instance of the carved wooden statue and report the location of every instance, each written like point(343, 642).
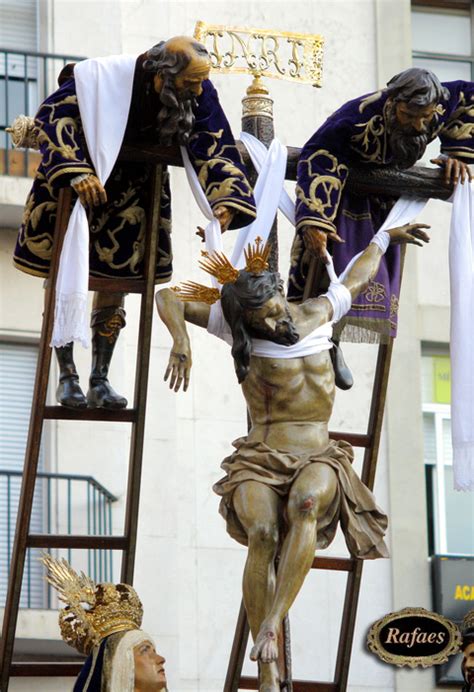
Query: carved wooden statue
point(287, 485)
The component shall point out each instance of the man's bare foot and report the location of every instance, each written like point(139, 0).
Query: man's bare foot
point(269, 680)
point(265, 648)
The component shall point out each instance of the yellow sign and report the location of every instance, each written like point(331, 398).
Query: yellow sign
point(442, 380)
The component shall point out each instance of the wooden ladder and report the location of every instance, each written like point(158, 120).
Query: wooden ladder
point(40, 412)
point(370, 441)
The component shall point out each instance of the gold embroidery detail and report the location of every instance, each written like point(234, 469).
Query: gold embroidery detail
point(375, 292)
point(394, 304)
point(325, 190)
point(371, 98)
point(369, 143)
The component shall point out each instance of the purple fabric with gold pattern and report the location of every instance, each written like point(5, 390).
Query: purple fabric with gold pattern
point(357, 134)
point(117, 229)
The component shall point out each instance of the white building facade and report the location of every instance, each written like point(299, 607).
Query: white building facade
point(188, 571)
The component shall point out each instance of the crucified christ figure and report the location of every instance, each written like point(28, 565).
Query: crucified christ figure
point(287, 484)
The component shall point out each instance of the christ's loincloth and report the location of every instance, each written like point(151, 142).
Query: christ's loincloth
point(362, 522)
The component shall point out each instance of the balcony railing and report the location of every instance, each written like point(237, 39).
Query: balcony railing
point(63, 503)
point(26, 79)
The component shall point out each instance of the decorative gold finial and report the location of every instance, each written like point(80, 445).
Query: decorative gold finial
point(256, 257)
point(24, 133)
point(93, 611)
point(219, 266)
point(190, 292)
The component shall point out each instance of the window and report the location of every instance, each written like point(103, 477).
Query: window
point(17, 374)
point(450, 513)
point(442, 42)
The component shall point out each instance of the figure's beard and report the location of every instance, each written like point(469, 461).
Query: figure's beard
point(284, 333)
point(407, 147)
point(175, 120)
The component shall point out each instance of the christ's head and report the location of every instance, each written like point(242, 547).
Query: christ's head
point(255, 307)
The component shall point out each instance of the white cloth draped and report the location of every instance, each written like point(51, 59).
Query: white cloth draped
point(104, 91)
point(461, 254)
point(461, 273)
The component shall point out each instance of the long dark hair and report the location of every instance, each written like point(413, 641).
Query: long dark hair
point(417, 86)
point(249, 292)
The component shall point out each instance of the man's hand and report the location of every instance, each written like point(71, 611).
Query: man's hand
point(315, 241)
point(91, 192)
point(224, 215)
point(409, 233)
point(179, 366)
point(453, 169)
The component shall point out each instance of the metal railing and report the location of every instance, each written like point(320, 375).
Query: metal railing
point(26, 79)
point(63, 503)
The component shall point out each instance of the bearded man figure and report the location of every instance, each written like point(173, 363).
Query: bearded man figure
point(172, 102)
point(391, 127)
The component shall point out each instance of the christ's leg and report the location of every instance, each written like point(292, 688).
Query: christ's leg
point(258, 507)
point(310, 496)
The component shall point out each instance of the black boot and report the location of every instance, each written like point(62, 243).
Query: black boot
point(68, 392)
point(342, 374)
point(106, 324)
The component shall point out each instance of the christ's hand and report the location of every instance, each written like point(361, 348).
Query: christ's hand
point(179, 366)
point(409, 233)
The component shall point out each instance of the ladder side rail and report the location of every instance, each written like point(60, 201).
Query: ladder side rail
point(374, 431)
point(239, 645)
point(33, 446)
point(141, 377)
point(353, 583)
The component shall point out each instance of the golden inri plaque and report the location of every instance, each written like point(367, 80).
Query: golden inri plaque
point(263, 52)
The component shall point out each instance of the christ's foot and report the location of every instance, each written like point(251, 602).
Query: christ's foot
point(265, 648)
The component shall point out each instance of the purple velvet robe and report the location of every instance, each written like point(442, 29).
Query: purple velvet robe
point(117, 228)
point(357, 134)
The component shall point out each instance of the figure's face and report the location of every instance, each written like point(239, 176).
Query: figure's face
point(188, 83)
point(414, 120)
point(149, 668)
point(273, 321)
point(467, 665)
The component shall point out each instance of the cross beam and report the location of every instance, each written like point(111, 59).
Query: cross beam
point(417, 181)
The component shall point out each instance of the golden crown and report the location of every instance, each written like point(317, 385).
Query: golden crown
point(219, 266)
point(110, 608)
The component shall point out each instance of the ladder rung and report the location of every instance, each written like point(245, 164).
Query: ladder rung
point(123, 415)
point(309, 686)
point(248, 683)
point(45, 669)
point(47, 540)
point(343, 564)
point(355, 439)
point(117, 285)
